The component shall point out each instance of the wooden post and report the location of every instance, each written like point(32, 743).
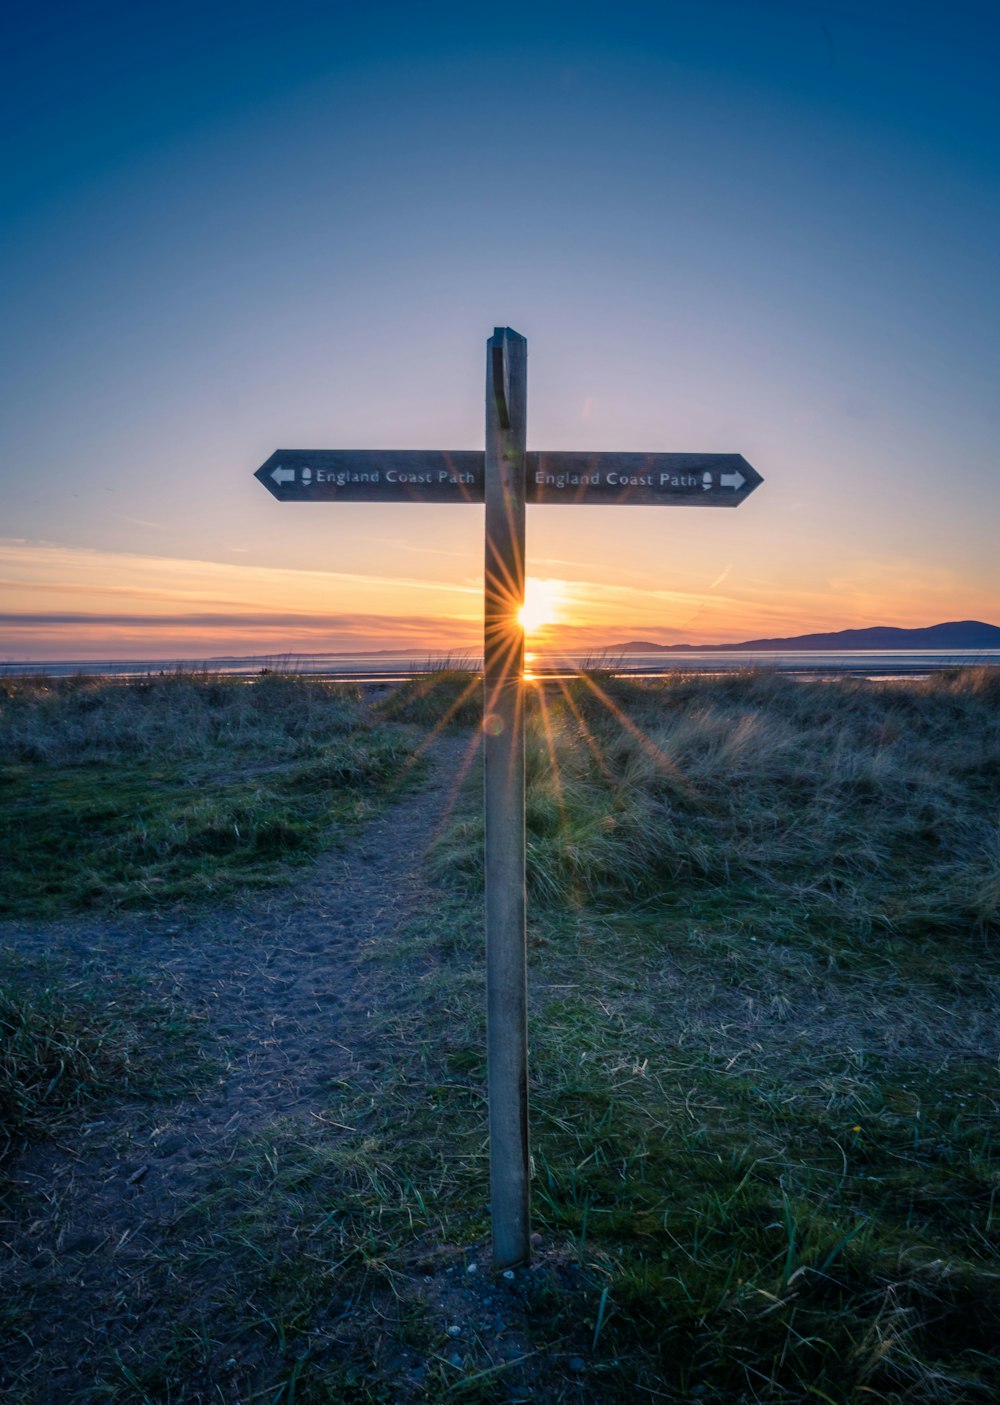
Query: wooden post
point(503, 751)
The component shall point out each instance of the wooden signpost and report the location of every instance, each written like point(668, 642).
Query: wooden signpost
point(553, 478)
point(505, 478)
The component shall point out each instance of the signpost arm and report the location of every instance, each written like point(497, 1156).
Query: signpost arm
point(503, 749)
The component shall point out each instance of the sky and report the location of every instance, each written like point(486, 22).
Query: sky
point(757, 228)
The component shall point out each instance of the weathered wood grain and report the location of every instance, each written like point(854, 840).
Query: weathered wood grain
point(503, 752)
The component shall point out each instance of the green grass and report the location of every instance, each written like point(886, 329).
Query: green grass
point(71, 1039)
point(764, 1087)
point(756, 1215)
point(783, 1227)
point(177, 787)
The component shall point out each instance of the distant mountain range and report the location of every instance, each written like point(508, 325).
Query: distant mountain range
point(958, 634)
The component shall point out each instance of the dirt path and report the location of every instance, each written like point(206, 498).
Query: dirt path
point(286, 988)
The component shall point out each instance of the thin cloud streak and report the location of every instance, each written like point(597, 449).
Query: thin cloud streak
point(215, 621)
point(54, 601)
point(171, 640)
point(49, 556)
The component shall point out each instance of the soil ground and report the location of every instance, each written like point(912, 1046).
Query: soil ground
point(286, 992)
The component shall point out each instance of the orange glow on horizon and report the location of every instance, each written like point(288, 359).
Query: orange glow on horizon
point(59, 601)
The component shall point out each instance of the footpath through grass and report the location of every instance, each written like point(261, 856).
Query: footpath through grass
point(177, 786)
point(764, 1086)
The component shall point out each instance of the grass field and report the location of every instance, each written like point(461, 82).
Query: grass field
point(764, 1077)
point(177, 786)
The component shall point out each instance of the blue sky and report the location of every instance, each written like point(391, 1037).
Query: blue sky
point(756, 228)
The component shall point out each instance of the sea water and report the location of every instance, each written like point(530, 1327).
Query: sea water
point(395, 666)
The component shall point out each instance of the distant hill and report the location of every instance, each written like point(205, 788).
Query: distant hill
point(958, 634)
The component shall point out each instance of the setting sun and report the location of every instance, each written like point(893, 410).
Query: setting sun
point(541, 605)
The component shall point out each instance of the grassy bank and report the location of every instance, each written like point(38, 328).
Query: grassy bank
point(436, 701)
point(764, 1086)
point(177, 786)
point(862, 807)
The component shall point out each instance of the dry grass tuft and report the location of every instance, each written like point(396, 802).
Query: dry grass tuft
point(874, 804)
